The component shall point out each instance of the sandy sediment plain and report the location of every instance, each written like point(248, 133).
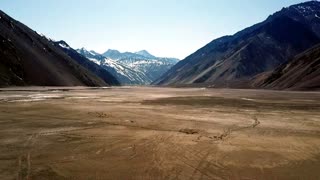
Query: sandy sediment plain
point(158, 133)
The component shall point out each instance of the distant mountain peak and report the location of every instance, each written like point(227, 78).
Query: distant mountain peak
point(83, 49)
point(87, 53)
point(112, 51)
point(145, 53)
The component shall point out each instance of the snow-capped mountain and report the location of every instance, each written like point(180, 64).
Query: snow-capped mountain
point(91, 55)
point(138, 68)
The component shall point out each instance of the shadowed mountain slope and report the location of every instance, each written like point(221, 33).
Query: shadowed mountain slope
point(27, 58)
point(300, 73)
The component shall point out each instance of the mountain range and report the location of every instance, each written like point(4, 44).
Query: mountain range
point(139, 68)
point(233, 61)
point(280, 53)
point(30, 58)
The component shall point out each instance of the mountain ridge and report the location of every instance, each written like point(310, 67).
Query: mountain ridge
point(256, 49)
point(28, 58)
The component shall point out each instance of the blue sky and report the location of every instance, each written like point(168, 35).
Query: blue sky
point(172, 28)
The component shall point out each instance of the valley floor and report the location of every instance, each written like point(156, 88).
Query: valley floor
point(158, 133)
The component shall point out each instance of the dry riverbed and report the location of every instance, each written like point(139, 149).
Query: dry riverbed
point(158, 133)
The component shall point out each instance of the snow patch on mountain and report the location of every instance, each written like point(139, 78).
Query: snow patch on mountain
point(94, 60)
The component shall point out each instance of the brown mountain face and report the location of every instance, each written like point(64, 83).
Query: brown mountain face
point(231, 61)
point(26, 58)
point(300, 73)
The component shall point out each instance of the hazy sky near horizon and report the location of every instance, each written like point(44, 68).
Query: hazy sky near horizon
point(167, 28)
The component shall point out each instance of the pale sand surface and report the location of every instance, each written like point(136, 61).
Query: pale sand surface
point(158, 133)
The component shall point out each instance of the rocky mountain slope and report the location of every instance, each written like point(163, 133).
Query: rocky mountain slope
point(138, 68)
point(300, 73)
point(27, 58)
point(231, 61)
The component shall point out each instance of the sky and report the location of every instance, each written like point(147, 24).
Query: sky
point(165, 28)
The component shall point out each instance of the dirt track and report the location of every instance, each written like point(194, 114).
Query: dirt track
point(159, 133)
